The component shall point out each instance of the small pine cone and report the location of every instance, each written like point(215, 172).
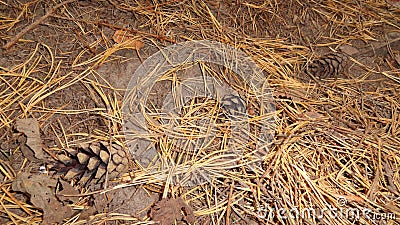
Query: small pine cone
point(92, 162)
point(234, 105)
point(327, 66)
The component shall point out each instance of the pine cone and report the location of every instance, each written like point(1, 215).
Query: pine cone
point(92, 162)
point(327, 66)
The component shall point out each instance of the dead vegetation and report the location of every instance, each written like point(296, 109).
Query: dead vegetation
point(336, 141)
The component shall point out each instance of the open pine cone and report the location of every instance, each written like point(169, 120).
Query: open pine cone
point(91, 163)
point(327, 66)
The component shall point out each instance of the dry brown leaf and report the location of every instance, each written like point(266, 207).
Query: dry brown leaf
point(30, 128)
point(26, 151)
point(167, 211)
point(41, 190)
point(68, 193)
point(121, 36)
point(349, 50)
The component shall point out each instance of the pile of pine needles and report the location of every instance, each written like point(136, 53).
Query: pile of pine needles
point(336, 141)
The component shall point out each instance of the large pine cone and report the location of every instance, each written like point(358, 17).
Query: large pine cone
point(92, 162)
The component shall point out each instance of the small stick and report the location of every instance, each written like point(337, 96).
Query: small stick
point(228, 209)
point(15, 39)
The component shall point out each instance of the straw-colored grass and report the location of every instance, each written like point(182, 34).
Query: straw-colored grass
point(336, 141)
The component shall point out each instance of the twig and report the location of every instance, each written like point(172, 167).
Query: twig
point(15, 39)
point(228, 209)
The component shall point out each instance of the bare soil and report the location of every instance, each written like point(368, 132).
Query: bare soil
point(70, 58)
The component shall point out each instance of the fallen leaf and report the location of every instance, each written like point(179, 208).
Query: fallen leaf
point(41, 190)
point(348, 49)
point(124, 37)
point(26, 151)
point(167, 211)
point(135, 44)
point(30, 128)
point(121, 36)
point(68, 193)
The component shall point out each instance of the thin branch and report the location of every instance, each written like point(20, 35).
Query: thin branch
point(15, 39)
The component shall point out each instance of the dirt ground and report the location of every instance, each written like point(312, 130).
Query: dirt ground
point(67, 64)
